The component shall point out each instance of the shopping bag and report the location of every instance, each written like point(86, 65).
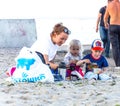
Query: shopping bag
point(30, 68)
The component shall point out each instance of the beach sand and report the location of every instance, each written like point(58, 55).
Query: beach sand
point(64, 93)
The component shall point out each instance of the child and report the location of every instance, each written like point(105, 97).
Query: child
point(71, 59)
point(94, 61)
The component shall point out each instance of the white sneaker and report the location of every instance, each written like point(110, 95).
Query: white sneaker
point(92, 81)
point(117, 68)
point(77, 74)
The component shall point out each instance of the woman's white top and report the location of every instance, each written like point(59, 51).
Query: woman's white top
point(45, 46)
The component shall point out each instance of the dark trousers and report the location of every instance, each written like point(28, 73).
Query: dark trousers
point(114, 32)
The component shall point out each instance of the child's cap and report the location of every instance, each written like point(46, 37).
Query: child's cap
point(97, 45)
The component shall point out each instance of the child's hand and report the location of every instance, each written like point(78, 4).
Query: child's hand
point(97, 70)
point(80, 62)
point(73, 61)
point(103, 70)
point(68, 66)
point(100, 71)
point(86, 61)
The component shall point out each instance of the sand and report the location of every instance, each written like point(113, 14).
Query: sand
point(64, 93)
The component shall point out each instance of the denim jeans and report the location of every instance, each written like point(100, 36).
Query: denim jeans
point(114, 32)
point(105, 38)
point(54, 71)
point(57, 76)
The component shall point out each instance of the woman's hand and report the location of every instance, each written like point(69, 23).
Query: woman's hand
point(53, 65)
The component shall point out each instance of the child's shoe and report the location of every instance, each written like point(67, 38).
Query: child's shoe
point(68, 78)
point(77, 74)
point(11, 71)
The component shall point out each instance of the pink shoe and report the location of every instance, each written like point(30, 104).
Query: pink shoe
point(11, 71)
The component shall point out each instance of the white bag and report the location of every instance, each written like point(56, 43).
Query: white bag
point(29, 68)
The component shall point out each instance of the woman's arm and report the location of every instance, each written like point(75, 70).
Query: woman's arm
point(51, 63)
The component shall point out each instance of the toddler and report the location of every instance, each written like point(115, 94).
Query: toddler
point(71, 58)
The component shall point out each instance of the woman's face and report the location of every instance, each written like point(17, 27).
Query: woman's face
point(61, 38)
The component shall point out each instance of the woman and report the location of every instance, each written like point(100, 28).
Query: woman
point(48, 47)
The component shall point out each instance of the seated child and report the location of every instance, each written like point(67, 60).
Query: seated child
point(71, 58)
point(94, 61)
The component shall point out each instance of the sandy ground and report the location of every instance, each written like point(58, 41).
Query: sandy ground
point(64, 93)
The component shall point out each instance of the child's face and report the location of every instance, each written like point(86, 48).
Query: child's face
point(74, 50)
point(96, 53)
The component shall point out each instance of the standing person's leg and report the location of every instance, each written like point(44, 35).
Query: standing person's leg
point(115, 41)
point(107, 46)
point(102, 35)
point(119, 47)
point(104, 38)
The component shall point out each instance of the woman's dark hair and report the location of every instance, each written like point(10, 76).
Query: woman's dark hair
point(58, 28)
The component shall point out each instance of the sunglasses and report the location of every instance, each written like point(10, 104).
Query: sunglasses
point(67, 31)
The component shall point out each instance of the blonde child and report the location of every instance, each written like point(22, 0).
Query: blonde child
point(95, 60)
point(71, 58)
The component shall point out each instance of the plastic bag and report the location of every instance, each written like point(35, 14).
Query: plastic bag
point(29, 68)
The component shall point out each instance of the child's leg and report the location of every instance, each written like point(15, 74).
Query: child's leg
point(77, 74)
point(90, 75)
point(68, 73)
point(80, 72)
point(104, 77)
